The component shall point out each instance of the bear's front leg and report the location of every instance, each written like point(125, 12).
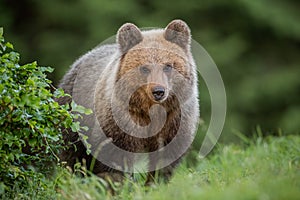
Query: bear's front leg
point(163, 174)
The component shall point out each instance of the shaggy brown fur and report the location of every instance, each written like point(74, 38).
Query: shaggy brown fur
point(148, 59)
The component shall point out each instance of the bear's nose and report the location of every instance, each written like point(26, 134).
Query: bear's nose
point(158, 92)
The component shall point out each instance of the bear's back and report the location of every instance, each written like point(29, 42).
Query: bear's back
point(83, 74)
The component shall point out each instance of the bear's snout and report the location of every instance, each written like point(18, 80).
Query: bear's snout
point(158, 92)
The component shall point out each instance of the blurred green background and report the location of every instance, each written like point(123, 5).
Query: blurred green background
point(255, 44)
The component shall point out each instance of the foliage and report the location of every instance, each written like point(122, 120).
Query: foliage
point(262, 169)
point(255, 44)
point(31, 121)
point(266, 169)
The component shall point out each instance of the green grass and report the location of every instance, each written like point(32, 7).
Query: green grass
point(264, 169)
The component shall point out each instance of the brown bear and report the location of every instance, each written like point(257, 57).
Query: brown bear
point(144, 96)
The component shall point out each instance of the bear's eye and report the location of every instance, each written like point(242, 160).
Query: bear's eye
point(144, 70)
point(167, 68)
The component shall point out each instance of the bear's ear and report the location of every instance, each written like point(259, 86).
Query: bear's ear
point(179, 33)
point(128, 36)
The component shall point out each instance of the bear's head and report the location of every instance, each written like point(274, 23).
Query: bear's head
point(157, 62)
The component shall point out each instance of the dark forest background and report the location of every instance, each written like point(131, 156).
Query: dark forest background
point(255, 44)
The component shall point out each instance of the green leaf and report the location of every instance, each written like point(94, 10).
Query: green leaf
point(32, 142)
point(47, 69)
point(75, 126)
point(1, 87)
point(9, 45)
point(59, 93)
point(80, 109)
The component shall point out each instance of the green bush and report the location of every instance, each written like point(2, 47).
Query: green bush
point(31, 121)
